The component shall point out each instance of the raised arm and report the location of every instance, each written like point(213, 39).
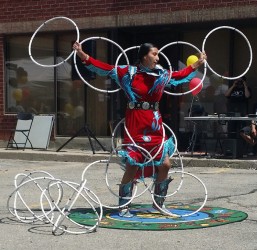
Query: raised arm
point(99, 67)
point(186, 72)
point(80, 53)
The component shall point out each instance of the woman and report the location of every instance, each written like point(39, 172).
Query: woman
point(144, 85)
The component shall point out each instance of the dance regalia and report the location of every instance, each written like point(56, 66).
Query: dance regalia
point(144, 126)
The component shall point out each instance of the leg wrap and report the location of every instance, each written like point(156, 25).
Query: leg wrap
point(125, 191)
point(161, 189)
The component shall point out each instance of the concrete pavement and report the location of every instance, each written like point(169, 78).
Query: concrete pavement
point(227, 187)
point(231, 183)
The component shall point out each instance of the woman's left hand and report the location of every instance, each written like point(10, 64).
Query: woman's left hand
point(202, 58)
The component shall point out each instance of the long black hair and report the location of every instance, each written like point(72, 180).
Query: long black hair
point(144, 50)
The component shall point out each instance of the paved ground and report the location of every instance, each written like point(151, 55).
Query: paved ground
point(228, 187)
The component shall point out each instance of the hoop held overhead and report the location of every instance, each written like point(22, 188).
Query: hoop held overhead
point(248, 43)
point(81, 77)
point(35, 33)
point(137, 47)
point(204, 73)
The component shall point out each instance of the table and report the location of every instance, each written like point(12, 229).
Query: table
point(220, 118)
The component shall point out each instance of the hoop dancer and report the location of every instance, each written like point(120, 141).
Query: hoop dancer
point(143, 85)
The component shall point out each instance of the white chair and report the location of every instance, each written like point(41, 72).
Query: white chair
point(20, 136)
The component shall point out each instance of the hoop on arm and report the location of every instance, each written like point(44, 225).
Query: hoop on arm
point(81, 77)
point(204, 73)
point(137, 47)
point(248, 43)
point(148, 159)
point(38, 29)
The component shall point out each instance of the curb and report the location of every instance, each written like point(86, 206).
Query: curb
point(72, 155)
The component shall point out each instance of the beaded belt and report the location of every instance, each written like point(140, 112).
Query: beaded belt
point(144, 105)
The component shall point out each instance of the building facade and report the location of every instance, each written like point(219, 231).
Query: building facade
point(26, 86)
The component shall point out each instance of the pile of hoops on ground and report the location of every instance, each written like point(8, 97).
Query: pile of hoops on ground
point(57, 197)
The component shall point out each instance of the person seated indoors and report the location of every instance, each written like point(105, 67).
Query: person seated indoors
point(249, 134)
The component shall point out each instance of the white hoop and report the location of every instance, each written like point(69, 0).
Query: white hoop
point(107, 162)
point(136, 47)
point(83, 177)
point(248, 43)
point(152, 158)
point(114, 133)
point(64, 212)
point(28, 179)
point(170, 172)
point(125, 50)
point(204, 73)
point(148, 186)
point(163, 125)
point(130, 137)
point(33, 36)
point(76, 67)
point(158, 151)
point(189, 214)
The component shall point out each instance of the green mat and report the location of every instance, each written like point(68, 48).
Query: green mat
point(146, 218)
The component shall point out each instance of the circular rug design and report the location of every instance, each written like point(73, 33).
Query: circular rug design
point(147, 218)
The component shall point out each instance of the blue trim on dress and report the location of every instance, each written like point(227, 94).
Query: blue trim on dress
point(174, 82)
point(161, 81)
point(126, 84)
point(168, 149)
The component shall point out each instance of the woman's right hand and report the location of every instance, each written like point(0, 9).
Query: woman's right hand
point(77, 46)
point(83, 56)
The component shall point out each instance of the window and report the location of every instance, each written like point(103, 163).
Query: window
point(29, 87)
point(56, 90)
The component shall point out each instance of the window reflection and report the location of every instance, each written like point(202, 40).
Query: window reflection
point(29, 88)
point(44, 90)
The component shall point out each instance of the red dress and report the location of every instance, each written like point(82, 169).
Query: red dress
point(144, 126)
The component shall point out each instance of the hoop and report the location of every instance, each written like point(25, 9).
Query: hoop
point(107, 162)
point(204, 73)
point(64, 212)
point(27, 179)
point(125, 50)
point(163, 124)
point(33, 36)
point(148, 186)
point(136, 47)
point(150, 159)
point(189, 214)
point(248, 43)
point(133, 142)
point(170, 172)
point(81, 77)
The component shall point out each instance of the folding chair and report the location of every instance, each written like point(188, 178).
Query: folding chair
point(20, 136)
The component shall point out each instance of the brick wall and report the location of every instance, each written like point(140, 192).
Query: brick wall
point(6, 122)
point(1, 75)
point(29, 10)
point(18, 16)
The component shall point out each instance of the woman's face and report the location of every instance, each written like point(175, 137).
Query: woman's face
point(151, 59)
